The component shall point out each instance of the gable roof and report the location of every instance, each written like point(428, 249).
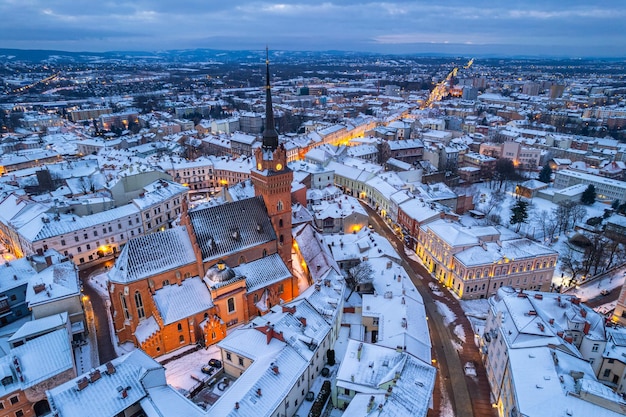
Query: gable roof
point(231, 227)
point(176, 302)
point(148, 255)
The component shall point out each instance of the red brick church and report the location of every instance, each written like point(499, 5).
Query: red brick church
point(223, 265)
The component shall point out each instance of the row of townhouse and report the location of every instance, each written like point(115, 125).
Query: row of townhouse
point(209, 173)
point(548, 354)
point(476, 261)
point(31, 229)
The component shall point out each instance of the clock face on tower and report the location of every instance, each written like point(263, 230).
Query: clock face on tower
point(279, 166)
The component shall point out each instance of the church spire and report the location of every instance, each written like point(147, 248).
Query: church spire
point(270, 137)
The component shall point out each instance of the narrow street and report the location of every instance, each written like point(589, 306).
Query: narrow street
point(106, 351)
point(469, 396)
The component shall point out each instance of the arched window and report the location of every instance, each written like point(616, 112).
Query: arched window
point(139, 304)
point(280, 223)
point(279, 206)
point(242, 260)
point(264, 253)
point(180, 327)
point(166, 282)
point(181, 339)
point(255, 298)
point(124, 306)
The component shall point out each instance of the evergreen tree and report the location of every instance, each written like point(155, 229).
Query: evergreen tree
point(519, 214)
point(589, 195)
point(615, 204)
point(546, 174)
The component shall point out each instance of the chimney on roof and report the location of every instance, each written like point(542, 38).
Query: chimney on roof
point(583, 312)
point(359, 351)
point(81, 384)
point(94, 375)
point(275, 369)
point(48, 260)
point(237, 405)
point(258, 392)
point(110, 368)
point(587, 327)
point(291, 310)
point(303, 321)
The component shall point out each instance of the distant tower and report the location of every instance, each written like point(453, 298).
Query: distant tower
point(272, 178)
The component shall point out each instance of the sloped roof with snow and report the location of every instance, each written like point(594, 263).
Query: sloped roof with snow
point(16, 273)
point(176, 302)
point(153, 253)
point(102, 398)
point(39, 326)
point(60, 280)
point(401, 322)
point(164, 401)
point(410, 396)
point(44, 357)
point(274, 386)
point(69, 224)
point(312, 249)
point(544, 385)
point(263, 272)
point(231, 227)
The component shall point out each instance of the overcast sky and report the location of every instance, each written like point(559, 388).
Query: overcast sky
point(546, 27)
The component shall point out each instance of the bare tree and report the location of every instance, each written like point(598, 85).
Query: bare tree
point(572, 264)
point(361, 273)
point(568, 213)
point(491, 201)
point(548, 223)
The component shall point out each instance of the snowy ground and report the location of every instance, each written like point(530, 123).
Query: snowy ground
point(476, 311)
point(611, 282)
point(447, 314)
point(179, 372)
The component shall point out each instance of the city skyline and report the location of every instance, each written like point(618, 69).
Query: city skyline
point(478, 27)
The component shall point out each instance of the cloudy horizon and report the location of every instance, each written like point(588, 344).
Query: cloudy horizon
point(529, 27)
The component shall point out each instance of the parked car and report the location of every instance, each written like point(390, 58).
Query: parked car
point(605, 292)
point(310, 396)
point(209, 370)
point(215, 363)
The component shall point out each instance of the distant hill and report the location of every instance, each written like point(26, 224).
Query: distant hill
point(186, 55)
point(231, 56)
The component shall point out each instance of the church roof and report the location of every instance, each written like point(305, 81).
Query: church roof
point(231, 227)
point(263, 272)
point(151, 254)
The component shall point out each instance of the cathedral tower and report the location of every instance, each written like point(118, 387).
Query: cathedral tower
point(272, 178)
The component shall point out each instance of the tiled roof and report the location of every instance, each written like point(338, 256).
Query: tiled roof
point(231, 227)
point(263, 272)
point(102, 398)
point(44, 357)
point(153, 253)
point(176, 302)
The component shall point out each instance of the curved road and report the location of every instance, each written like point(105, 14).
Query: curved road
point(449, 363)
